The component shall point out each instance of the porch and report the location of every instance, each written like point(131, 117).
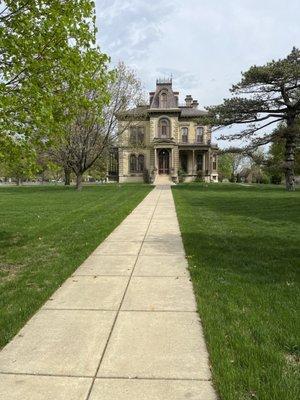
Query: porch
point(193, 162)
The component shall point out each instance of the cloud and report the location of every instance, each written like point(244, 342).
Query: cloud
point(129, 28)
point(204, 44)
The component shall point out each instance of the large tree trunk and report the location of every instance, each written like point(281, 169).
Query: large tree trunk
point(290, 146)
point(67, 173)
point(79, 181)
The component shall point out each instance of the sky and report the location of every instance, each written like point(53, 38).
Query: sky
point(203, 44)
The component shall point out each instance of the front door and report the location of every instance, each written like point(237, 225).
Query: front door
point(164, 161)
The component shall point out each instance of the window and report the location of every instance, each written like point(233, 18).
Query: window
point(184, 162)
point(137, 135)
point(199, 161)
point(164, 128)
point(214, 159)
point(184, 134)
point(141, 161)
point(163, 100)
point(136, 163)
point(132, 163)
point(113, 162)
point(199, 134)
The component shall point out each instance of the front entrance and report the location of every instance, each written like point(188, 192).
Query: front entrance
point(163, 161)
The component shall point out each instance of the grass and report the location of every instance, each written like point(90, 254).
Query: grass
point(45, 234)
point(243, 248)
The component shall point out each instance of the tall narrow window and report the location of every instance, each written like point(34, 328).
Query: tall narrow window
point(132, 163)
point(199, 162)
point(164, 128)
point(141, 163)
point(184, 134)
point(184, 161)
point(163, 100)
point(140, 136)
point(199, 134)
point(214, 159)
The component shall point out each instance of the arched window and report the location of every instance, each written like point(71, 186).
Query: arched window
point(199, 134)
point(136, 163)
point(164, 128)
point(132, 163)
point(184, 134)
point(163, 100)
point(141, 163)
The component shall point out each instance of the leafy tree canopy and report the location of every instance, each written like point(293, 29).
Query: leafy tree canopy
point(47, 65)
point(266, 95)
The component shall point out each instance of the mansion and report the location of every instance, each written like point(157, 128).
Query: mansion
point(165, 138)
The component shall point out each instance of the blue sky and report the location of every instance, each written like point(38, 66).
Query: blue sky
point(204, 44)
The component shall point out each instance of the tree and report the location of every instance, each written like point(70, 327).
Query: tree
point(274, 164)
point(266, 95)
point(20, 163)
point(41, 45)
point(225, 166)
point(95, 130)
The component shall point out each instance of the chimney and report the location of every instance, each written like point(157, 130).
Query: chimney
point(195, 104)
point(188, 100)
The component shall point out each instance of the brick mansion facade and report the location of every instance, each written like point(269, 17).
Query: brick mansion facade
point(166, 138)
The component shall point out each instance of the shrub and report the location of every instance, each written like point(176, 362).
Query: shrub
point(181, 175)
point(199, 176)
point(146, 176)
point(276, 179)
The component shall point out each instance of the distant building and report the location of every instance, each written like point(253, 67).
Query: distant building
point(166, 138)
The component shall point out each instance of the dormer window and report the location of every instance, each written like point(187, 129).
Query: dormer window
point(164, 128)
point(184, 134)
point(163, 100)
point(199, 134)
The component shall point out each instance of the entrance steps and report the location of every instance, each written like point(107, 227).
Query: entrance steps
point(163, 179)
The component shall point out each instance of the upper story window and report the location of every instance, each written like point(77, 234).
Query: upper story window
point(164, 128)
point(163, 100)
point(184, 134)
point(199, 134)
point(137, 135)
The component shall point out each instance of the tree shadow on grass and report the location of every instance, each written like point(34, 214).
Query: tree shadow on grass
point(260, 259)
point(267, 204)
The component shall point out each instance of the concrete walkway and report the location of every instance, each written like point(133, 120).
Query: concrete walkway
point(123, 327)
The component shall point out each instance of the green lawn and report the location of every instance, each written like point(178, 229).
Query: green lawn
point(45, 234)
point(243, 248)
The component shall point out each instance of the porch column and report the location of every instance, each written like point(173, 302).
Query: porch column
point(155, 158)
point(172, 158)
point(203, 163)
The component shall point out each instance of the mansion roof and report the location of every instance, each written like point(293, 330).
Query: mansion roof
point(165, 101)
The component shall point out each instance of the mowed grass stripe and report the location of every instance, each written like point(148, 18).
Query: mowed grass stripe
point(243, 248)
point(46, 233)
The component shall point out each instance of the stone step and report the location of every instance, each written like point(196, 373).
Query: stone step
point(163, 179)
